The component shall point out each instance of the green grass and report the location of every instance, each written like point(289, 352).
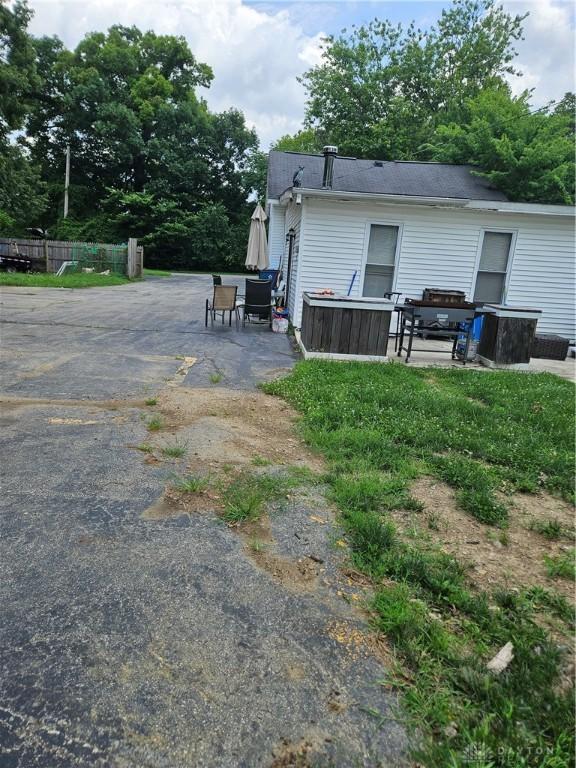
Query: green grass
point(156, 272)
point(77, 280)
point(260, 461)
point(215, 378)
point(191, 483)
point(561, 566)
point(248, 495)
point(154, 423)
point(175, 451)
point(151, 401)
point(486, 435)
point(550, 529)
point(145, 448)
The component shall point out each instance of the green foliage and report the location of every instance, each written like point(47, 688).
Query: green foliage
point(307, 141)
point(154, 423)
point(18, 74)
point(191, 483)
point(440, 94)
point(530, 157)
point(403, 81)
point(174, 451)
point(561, 566)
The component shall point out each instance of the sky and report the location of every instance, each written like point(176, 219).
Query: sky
point(258, 48)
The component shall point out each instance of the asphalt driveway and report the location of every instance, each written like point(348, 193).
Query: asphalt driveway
point(127, 641)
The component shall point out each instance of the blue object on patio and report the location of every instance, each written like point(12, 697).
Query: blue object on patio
point(470, 333)
point(268, 274)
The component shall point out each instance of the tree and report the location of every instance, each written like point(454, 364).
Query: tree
point(528, 155)
point(307, 141)
point(18, 75)
point(382, 90)
point(22, 194)
point(149, 159)
point(108, 100)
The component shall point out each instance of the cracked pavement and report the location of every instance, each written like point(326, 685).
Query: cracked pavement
point(154, 643)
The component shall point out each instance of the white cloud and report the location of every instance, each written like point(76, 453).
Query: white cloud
point(546, 55)
point(256, 56)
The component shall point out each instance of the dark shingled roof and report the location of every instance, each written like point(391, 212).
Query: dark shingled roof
point(390, 178)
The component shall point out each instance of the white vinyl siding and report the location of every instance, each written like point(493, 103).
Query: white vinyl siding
point(380, 259)
point(493, 268)
point(275, 234)
point(440, 248)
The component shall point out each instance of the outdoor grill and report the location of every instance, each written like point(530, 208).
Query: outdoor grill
point(428, 318)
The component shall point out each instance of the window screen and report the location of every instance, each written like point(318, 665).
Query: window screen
point(491, 278)
point(379, 272)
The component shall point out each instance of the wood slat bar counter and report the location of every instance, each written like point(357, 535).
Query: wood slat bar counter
point(507, 335)
point(345, 328)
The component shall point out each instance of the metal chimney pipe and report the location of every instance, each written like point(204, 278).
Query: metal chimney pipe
point(329, 157)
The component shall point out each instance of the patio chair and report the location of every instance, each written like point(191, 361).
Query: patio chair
point(258, 300)
point(216, 280)
point(223, 300)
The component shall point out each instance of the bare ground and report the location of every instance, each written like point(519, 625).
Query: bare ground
point(517, 560)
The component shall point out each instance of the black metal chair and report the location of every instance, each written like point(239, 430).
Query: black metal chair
point(223, 300)
point(216, 280)
point(258, 300)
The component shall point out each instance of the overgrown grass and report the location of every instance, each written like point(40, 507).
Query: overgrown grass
point(485, 434)
point(550, 529)
point(215, 378)
point(561, 566)
point(77, 280)
point(151, 401)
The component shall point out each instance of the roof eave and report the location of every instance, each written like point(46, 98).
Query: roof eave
point(497, 206)
point(288, 195)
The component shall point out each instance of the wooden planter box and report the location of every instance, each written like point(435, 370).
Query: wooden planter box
point(345, 328)
point(507, 336)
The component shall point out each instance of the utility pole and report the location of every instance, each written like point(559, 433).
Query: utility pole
point(66, 180)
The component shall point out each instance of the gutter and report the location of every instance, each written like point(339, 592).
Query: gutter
point(293, 192)
point(496, 206)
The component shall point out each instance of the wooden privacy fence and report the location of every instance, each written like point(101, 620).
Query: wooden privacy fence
point(49, 255)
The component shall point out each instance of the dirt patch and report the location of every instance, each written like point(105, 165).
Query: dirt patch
point(356, 642)
point(301, 754)
point(512, 559)
point(232, 427)
point(174, 503)
point(293, 574)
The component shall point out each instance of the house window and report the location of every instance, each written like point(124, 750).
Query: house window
point(379, 272)
point(493, 267)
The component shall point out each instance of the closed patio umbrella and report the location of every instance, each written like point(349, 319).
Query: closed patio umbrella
point(257, 252)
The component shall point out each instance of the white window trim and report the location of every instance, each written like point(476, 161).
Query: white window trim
point(507, 231)
point(387, 223)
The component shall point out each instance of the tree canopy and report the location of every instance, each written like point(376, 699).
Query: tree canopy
point(397, 93)
point(148, 158)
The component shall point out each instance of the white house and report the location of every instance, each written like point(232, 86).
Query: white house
point(368, 227)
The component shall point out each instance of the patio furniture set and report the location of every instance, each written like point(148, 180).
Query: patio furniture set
point(257, 304)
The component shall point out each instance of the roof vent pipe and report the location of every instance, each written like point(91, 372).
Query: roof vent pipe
point(329, 156)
